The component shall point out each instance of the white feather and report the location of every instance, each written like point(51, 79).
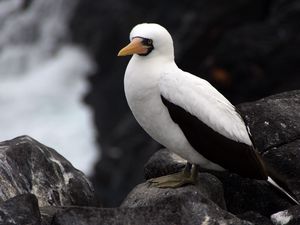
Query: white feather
point(201, 99)
point(271, 181)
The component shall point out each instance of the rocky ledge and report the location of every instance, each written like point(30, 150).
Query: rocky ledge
point(40, 187)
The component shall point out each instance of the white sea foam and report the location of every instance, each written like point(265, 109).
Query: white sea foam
point(43, 82)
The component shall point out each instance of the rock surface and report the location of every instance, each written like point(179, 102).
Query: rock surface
point(275, 126)
point(290, 216)
point(255, 218)
point(27, 166)
point(163, 162)
point(151, 206)
point(162, 214)
point(20, 210)
point(208, 187)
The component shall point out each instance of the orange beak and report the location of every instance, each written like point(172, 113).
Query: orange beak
point(134, 47)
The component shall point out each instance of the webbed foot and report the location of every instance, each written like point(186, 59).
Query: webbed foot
point(185, 177)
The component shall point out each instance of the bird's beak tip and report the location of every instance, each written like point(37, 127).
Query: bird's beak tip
point(134, 47)
point(120, 53)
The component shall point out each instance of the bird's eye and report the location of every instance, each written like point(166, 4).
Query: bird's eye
point(149, 42)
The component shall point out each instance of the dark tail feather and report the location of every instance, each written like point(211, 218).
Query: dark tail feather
point(278, 182)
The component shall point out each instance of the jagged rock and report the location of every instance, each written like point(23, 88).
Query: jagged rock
point(163, 162)
point(20, 210)
point(208, 187)
point(48, 212)
point(275, 126)
point(255, 218)
point(27, 166)
point(290, 216)
point(243, 194)
point(199, 201)
point(274, 120)
point(151, 206)
point(161, 214)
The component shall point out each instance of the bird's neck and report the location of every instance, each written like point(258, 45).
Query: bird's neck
point(142, 74)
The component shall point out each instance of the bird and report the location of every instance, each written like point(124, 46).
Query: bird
point(187, 115)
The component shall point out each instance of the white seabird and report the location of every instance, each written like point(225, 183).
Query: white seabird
point(186, 114)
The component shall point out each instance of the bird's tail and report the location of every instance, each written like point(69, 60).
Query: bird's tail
point(278, 182)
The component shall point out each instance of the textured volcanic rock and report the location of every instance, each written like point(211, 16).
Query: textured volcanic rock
point(48, 213)
point(27, 166)
point(255, 218)
point(245, 48)
point(163, 162)
point(275, 126)
point(274, 120)
point(151, 206)
point(290, 216)
point(208, 187)
point(162, 214)
point(20, 210)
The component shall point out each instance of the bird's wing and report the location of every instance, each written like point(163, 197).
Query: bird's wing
point(210, 123)
point(201, 99)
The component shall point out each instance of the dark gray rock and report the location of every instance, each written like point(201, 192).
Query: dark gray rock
point(243, 195)
point(163, 162)
point(208, 187)
point(274, 120)
point(255, 218)
point(20, 210)
point(160, 214)
point(151, 206)
point(290, 216)
point(27, 166)
point(275, 126)
point(48, 212)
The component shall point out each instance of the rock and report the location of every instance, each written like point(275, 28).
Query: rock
point(22, 209)
point(274, 120)
point(208, 187)
point(275, 126)
point(48, 212)
point(255, 218)
point(160, 214)
point(163, 162)
point(243, 195)
point(27, 166)
point(151, 206)
point(290, 216)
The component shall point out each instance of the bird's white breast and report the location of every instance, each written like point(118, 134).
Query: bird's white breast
point(143, 97)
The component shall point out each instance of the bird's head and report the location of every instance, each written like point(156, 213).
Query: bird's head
point(148, 40)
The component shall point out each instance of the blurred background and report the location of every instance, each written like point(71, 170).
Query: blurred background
point(62, 84)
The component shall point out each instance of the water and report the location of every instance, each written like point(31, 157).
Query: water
point(43, 80)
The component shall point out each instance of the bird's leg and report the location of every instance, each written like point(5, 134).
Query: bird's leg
point(187, 176)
